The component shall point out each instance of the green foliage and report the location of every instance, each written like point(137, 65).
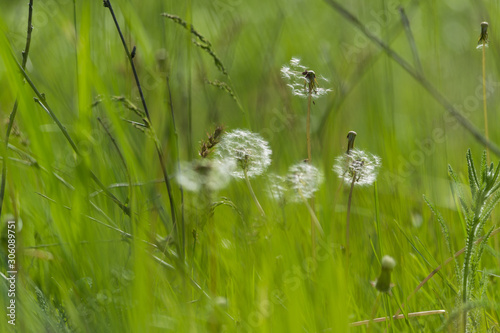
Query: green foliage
point(98, 249)
point(483, 186)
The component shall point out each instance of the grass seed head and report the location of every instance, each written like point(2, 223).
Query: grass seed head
point(213, 139)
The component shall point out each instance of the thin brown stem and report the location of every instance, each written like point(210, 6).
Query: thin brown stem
point(158, 147)
point(308, 129)
point(485, 110)
point(410, 315)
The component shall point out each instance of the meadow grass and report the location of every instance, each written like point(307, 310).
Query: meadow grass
point(110, 236)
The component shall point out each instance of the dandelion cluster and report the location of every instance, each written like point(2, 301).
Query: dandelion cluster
point(303, 81)
point(357, 165)
point(249, 150)
point(304, 179)
point(205, 174)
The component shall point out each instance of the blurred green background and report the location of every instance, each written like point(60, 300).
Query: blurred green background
point(99, 280)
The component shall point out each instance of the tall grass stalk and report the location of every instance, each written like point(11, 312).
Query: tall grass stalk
point(158, 147)
point(13, 113)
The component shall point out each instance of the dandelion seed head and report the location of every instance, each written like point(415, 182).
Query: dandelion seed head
point(358, 165)
point(211, 175)
point(304, 179)
point(277, 188)
point(302, 81)
point(250, 152)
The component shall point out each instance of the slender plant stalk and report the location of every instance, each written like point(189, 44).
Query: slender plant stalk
point(347, 220)
point(13, 113)
point(466, 273)
point(122, 158)
point(40, 99)
point(411, 40)
point(410, 315)
point(189, 25)
point(171, 105)
point(485, 110)
point(309, 158)
point(254, 197)
point(159, 150)
point(311, 207)
point(212, 256)
point(422, 80)
point(43, 104)
point(314, 219)
point(374, 311)
point(377, 219)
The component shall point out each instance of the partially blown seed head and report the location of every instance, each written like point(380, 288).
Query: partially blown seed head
point(249, 150)
point(277, 189)
point(205, 174)
point(304, 179)
point(303, 81)
point(358, 166)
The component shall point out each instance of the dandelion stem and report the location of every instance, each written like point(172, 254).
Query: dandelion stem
point(309, 158)
point(314, 219)
point(247, 180)
point(348, 217)
point(485, 110)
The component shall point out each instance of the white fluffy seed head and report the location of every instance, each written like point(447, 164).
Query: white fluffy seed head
point(300, 82)
point(205, 174)
point(304, 179)
point(358, 165)
point(249, 150)
point(277, 187)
